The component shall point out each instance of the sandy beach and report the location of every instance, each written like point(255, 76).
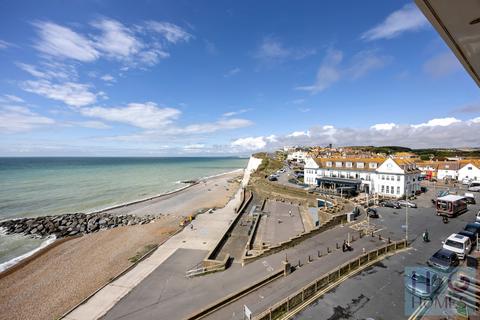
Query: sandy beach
point(57, 280)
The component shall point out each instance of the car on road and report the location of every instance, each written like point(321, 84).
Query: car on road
point(466, 181)
point(422, 282)
point(459, 244)
point(405, 203)
point(390, 204)
point(469, 198)
point(444, 260)
point(372, 213)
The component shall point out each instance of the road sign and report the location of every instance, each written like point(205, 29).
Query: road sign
point(248, 313)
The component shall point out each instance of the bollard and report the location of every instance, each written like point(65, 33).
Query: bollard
point(299, 264)
point(328, 250)
point(309, 258)
point(380, 237)
point(360, 234)
point(353, 238)
point(318, 253)
point(372, 234)
point(338, 247)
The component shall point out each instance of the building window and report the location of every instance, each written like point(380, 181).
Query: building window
point(383, 188)
point(383, 177)
point(372, 165)
point(398, 178)
point(393, 178)
point(360, 165)
point(348, 164)
point(388, 189)
point(392, 190)
point(469, 168)
point(387, 178)
point(398, 190)
point(338, 164)
point(329, 163)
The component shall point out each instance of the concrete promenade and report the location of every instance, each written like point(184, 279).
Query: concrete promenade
point(208, 228)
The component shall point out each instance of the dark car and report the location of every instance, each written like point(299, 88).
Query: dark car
point(390, 204)
point(444, 260)
point(471, 235)
point(272, 178)
point(372, 213)
point(470, 200)
point(473, 228)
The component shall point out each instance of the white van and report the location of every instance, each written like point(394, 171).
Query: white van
point(459, 244)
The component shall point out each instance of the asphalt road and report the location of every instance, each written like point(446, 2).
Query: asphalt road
point(378, 292)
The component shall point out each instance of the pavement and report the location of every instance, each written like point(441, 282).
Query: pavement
point(208, 228)
point(378, 292)
point(281, 222)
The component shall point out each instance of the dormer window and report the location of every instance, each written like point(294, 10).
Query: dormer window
point(373, 165)
point(338, 164)
point(348, 164)
point(329, 163)
point(360, 165)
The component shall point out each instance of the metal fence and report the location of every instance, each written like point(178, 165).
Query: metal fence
point(290, 303)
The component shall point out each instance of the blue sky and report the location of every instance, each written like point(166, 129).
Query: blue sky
point(226, 77)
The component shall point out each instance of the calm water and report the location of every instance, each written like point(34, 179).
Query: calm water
point(44, 186)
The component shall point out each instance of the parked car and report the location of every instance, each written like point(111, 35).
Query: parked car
point(473, 227)
point(423, 189)
point(390, 204)
point(444, 260)
point(471, 235)
point(459, 244)
point(470, 198)
point(422, 282)
point(372, 213)
point(474, 189)
point(405, 203)
point(466, 181)
point(477, 218)
point(272, 178)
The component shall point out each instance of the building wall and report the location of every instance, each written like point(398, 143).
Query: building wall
point(469, 171)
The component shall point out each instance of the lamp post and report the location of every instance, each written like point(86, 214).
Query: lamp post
point(406, 219)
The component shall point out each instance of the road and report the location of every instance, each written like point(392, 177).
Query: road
point(378, 292)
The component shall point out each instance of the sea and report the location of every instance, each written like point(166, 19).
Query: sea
point(31, 187)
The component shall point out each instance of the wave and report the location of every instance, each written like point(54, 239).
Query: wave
point(10, 263)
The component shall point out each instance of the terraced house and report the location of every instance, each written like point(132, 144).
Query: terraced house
point(383, 176)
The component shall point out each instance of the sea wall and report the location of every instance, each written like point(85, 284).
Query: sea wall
point(70, 224)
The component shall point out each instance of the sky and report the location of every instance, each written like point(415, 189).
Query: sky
point(166, 78)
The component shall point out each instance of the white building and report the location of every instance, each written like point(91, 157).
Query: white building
point(384, 176)
point(469, 169)
point(298, 155)
point(448, 170)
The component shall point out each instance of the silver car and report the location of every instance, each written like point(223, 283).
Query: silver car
point(422, 282)
point(405, 203)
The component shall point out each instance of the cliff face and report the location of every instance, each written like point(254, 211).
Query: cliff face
point(252, 165)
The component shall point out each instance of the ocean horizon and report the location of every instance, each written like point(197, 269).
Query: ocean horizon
point(36, 186)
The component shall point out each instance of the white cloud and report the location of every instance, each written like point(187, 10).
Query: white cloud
point(331, 70)
point(408, 18)
point(50, 70)
point(439, 122)
point(4, 44)
point(88, 124)
point(441, 65)
point(299, 134)
point(210, 127)
point(195, 146)
point(71, 93)
point(383, 126)
point(250, 143)
point(170, 31)
point(142, 115)
point(474, 120)
point(231, 72)
point(327, 74)
point(15, 119)
point(116, 40)
point(108, 78)
point(13, 98)
point(272, 50)
point(235, 113)
point(364, 62)
point(63, 42)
